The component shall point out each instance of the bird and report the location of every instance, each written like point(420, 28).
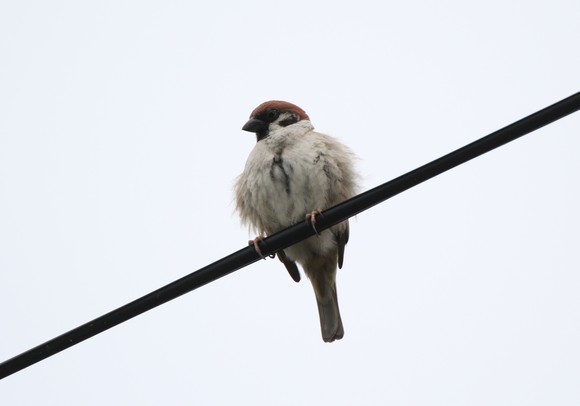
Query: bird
point(291, 175)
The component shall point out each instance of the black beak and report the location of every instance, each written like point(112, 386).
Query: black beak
point(255, 126)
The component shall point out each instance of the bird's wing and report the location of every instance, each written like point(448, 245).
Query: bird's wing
point(341, 235)
point(290, 266)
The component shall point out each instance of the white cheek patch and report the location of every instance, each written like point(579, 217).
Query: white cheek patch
point(286, 119)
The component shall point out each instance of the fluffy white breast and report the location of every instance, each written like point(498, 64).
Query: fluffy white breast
point(290, 173)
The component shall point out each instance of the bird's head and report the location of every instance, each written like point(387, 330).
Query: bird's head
point(272, 115)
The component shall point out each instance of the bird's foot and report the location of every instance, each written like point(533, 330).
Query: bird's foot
point(311, 217)
point(255, 243)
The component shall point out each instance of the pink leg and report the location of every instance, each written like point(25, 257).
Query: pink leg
point(256, 246)
point(312, 218)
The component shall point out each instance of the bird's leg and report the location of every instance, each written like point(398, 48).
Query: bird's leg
point(256, 246)
point(312, 218)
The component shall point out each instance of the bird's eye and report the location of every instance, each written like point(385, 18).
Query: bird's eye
point(273, 115)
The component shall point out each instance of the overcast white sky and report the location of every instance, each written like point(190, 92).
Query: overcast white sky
point(119, 143)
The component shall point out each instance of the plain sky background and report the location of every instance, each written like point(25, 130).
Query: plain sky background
point(120, 139)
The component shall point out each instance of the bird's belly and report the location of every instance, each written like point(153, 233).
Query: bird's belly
point(285, 189)
point(311, 247)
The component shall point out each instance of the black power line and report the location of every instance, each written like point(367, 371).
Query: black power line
point(292, 235)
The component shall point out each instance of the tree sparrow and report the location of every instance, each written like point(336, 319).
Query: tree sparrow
point(293, 171)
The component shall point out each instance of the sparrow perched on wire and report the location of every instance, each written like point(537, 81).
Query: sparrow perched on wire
point(295, 171)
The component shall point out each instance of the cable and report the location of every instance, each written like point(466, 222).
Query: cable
point(292, 235)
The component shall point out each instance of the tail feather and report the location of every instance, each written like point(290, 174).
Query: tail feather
point(330, 321)
point(321, 270)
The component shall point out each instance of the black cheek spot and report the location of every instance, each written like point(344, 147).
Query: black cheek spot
point(290, 120)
